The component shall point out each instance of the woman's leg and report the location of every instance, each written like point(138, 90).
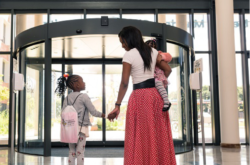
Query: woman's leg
point(159, 86)
point(80, 148)
point(72, 153)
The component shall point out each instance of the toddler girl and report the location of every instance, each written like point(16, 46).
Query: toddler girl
point(81, 103)
point(161, 81)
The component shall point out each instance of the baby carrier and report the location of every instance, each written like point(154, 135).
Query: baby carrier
point(69, 123)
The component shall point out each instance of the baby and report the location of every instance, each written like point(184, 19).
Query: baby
point(161, 81)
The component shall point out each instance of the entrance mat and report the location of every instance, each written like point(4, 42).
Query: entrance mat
point(92, 152)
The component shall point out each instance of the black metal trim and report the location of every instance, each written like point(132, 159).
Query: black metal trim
point(191, 19)
point(85, 13)
point(47, 92)
point(120, 12)
point(4, 53)
point(103, 103)
point(5, 11)
point(103, 11)
point(203, 52)
point(138, 11)
point(156, 15)
point(10, 84)
point(194, 105)
point(216, 133)
point(68, 28)
point(175, 11)
point(66, 11)
point(245, 75)
point(30, 11)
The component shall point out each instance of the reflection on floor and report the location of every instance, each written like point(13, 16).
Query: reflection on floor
point(215, 156)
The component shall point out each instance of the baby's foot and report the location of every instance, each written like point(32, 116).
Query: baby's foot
point(166, 107)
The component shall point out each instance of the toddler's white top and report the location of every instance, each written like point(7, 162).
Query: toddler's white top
point(134, 58)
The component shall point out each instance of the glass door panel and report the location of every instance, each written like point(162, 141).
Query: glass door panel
point(32, 101)
point(92, 76)
point(115, 131)
point(206, 100)
point(56, 104)
point(178, 95)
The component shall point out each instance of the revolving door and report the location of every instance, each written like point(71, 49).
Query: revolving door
point(86, 48)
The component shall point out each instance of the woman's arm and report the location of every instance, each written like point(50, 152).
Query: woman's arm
point(124, 82)
point(163, 65)
point(122, 91)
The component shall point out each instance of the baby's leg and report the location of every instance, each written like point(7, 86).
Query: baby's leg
point(80, 149)
point(72, 153)
point(159, 86)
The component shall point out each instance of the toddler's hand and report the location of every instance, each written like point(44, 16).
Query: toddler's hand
point(103, 115)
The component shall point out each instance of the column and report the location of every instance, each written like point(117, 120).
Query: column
point(227, 74)
point(20, 23)
point(181, 21)
point(161, 18)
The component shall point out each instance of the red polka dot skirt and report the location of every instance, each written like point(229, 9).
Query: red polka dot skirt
point(148, 137)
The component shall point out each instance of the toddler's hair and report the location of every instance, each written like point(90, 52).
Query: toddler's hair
point(153, 42)
point(64, 82)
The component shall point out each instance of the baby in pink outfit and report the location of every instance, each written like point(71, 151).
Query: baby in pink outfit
point(161, 81)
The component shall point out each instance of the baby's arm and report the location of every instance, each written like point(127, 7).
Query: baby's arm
point(165, 56)
point(91, 108)
point(163, 65)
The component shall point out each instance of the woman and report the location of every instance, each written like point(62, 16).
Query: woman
point(148, 139)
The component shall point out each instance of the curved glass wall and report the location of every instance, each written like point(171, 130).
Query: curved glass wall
point(180, 114)
point(98, 60)
point(31, 137)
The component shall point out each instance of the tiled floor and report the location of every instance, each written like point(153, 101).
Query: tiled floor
point(214, 156)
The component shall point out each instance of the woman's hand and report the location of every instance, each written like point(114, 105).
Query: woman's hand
point(114, 114)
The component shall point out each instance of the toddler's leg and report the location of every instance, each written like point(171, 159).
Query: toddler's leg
point(80, 148)
point(159, 86)
point(72, 153)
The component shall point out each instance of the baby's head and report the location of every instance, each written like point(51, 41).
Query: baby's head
point(151, 43)
point(74, 82)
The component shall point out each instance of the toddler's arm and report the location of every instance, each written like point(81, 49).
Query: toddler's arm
point(165, 56)
point(91, 108)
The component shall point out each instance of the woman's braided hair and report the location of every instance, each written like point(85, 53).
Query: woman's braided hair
point(65, 81)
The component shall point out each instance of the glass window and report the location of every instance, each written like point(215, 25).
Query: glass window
point(92, 76)
point(240, 98)
point(115, 131)
point(64, 17)
point(237, 32)
point(176, 20)
point(57, 47)
point(27, 21)
point(143, 17)
point(200, 32)
point(100, 15)
point(5, 26)
point(4, 98)
point(205, 99)
point(247, 17)
point(56, 104)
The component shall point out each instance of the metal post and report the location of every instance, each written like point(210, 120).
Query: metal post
point(11, 96)
point(156, 15)
point(120, 13)
point(202, 122)
point(47, 91)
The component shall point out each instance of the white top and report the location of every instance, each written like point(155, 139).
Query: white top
point(133, 57)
